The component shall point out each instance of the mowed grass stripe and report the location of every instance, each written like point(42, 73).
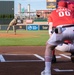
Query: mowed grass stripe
point(37, 38)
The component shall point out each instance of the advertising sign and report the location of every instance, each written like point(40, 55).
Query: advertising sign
point(20, 27)
point(29, 21)
point(51, 4)
point(44, 27)
point(32, 27)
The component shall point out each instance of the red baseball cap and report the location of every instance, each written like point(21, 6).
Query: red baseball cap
point(62, 3)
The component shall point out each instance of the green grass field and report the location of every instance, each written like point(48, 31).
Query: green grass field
point(30, 38)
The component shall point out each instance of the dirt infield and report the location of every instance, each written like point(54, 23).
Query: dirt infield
point(24, 67)
point(16, 63)
point(29, 60)
point(18, 35)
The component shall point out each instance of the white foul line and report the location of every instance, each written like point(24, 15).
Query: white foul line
point(2, 58)
point(38, 56)
point(65, 56)
point(23, 61)
point(58, 70)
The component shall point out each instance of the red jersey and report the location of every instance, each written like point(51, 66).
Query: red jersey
point(60, 16)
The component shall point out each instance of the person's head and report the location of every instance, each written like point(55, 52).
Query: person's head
point(71, 6)
point(62, 4)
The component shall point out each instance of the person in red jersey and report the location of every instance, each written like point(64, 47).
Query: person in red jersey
point(70, 6)
point(62, 21)
point(67, 43)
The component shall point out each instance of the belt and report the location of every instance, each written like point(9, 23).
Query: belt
point(68, 26)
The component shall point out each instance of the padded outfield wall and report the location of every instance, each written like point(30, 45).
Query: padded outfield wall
point(29, 27)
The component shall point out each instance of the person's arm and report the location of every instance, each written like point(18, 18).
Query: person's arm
point(50, 28)
point(50, 23)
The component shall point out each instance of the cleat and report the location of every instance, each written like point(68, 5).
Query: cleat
point(45, 73)
point(72, 57)
point(7, 31)
point(53, 59)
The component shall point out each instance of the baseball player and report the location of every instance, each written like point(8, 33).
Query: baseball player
point(67, 43)
point(13, 22)
point(62, 21)
point(70, 5)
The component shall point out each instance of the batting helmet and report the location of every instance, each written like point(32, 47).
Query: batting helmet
point(62, 3)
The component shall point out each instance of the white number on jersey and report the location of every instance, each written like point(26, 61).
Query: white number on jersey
point(62, 13)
